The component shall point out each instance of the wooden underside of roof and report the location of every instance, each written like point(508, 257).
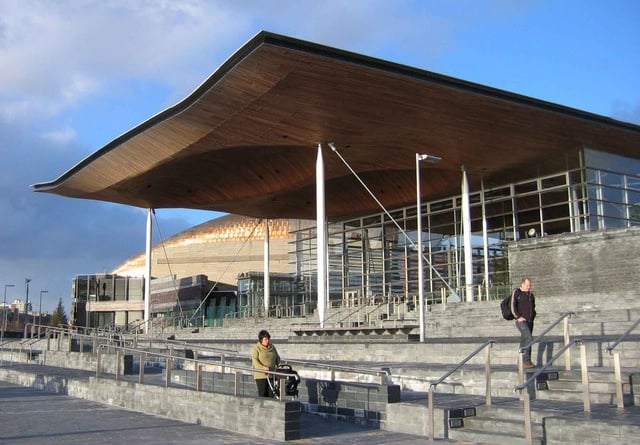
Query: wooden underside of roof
point(246, 141)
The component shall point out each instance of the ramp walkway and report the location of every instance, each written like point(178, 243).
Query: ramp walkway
point(32, 416)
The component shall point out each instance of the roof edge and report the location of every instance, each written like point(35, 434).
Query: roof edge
point(269, 38)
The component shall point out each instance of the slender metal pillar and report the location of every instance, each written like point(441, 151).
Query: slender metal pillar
point(433, 160)
point(419, 248)
point(466, 234)
point(267, 281)
point(321, 239)
point(147, 278)
point(485, 241)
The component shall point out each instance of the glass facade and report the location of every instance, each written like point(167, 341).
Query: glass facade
point(376, 256)
point(91, 291)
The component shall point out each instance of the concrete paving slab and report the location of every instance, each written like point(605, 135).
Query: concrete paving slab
point(33, 417)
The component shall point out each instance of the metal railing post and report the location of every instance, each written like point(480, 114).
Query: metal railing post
point(98, 356)
point(118, 356)
point(528, 433)
point(198, 376)
point(431, 424)
point(567, 356)
point(585, 378)
point(521, 370)
point(618, 378)
point(237, 381)
point(168, 366)
point(487, 375)
point(143, 359)
point(282, 387)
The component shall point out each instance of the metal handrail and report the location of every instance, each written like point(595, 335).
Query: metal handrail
point(617, 371)
point(544, 367)
point(523, 387)
point(551, 326)
point(382, 374)
point(366, 308)
point(196, 362)
point(462, 362)
point(620, 339)
point(566, 338)
point(200, 347)
point(434, 383)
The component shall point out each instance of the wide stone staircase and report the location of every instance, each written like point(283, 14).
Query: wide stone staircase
point(453, 331)
point(358, 354)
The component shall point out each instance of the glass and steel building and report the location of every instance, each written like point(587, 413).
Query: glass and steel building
point(376, 255)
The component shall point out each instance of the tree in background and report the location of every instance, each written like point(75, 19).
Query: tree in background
point(59, 316)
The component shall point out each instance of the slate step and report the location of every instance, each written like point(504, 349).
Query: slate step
point(514, 427)
point(494, 437)
point(577, 396)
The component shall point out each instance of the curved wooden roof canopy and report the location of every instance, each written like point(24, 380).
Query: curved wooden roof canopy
point(245, 142)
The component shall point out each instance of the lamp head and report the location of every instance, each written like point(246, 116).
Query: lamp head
point(432, 159)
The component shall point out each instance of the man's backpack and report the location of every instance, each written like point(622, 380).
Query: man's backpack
point(506, 309)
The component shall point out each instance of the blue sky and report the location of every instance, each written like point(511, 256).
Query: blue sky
point(76, 74)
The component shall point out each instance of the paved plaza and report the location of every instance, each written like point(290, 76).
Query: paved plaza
point(30, 416)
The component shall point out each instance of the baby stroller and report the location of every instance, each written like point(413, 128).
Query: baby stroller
point(290, 383)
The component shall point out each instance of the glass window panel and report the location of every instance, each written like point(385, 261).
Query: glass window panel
point(634, 214)
point(633, 197)
point(442, 205)
point(575, 177)
point(611, 179)
point(611, 162)
point(593, 176)
point(527, 202)
point(633, 183)
point(554, 181)
point(370, 221)
point(497, 194)
point(526, 187)
point(615, 210)
point(559, 211)
point(528, 217)
point(614, 223)
point(553, 198)
point(612, 194)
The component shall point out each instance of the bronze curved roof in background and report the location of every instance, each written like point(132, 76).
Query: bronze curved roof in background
point(245, 141)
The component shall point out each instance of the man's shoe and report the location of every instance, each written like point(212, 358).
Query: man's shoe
point(528, 365)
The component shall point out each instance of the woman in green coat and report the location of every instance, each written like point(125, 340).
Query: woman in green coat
point(264, 357)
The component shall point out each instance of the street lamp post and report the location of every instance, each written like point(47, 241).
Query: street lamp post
point(433, 160)
point(40, 309)
point(4, 317)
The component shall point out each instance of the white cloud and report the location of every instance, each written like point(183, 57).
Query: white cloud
point(61, 136)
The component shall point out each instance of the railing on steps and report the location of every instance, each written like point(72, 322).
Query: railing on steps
point(488, 345)
point(616, 363)
point(565, 334)
point(523, 388)
point(433, 384)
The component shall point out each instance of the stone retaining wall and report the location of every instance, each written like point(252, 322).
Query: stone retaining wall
point(578, 263)
point(261, 417)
